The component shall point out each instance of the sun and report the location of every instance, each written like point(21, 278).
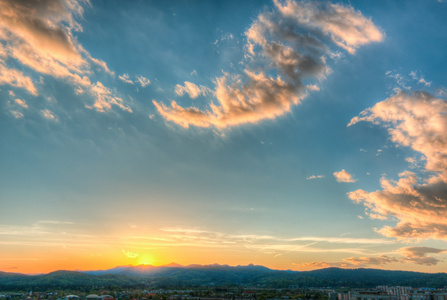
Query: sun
point(145, 260)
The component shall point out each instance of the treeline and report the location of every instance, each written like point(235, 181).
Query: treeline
point(225, 276)
point(60, 280)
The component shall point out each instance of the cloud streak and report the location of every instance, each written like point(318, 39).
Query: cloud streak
point(416, 255)
point(292, 42)
point(315, 177)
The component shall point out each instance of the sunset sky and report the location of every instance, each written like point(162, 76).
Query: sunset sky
point(291, 134)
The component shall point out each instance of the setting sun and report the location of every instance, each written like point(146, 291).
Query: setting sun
point(145, 260)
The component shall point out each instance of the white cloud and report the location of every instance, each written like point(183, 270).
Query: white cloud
point(129, 254)
point(344, 176)
point(315, 177)
point(422, 81)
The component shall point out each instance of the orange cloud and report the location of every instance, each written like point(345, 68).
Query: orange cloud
point(191, 89)
point(274, 41)
point(16, 79)
point(344, 176)
point(348, 28)
point(39, 35)
point(350, 262)
point(419, 255)
point(419, 121)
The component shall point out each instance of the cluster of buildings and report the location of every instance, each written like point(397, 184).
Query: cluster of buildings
point(390, 293)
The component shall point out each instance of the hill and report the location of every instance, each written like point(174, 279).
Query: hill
point(174, 275)
point(65, 280)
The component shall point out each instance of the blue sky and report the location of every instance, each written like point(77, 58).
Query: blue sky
point(293, 134)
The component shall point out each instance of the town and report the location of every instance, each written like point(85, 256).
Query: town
point(238, 293)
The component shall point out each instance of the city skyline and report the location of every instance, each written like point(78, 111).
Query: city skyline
point(290, 134)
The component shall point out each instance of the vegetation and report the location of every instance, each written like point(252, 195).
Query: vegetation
point(220, 276)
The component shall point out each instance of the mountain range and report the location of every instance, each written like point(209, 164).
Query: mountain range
point(175, 275)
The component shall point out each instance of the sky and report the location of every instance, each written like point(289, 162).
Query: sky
point(291, 134)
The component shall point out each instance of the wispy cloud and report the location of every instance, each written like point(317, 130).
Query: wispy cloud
point(191, 89)
point(48, 114)
point(288, 40)
point(129, 254)
point(268, 244)
point(143, 81)
point(105, 98)
point(125, 78)
point(315, 177)
point(17, 114)
point(22, 103)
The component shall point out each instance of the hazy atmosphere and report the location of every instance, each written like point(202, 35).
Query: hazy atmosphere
point(291, 134)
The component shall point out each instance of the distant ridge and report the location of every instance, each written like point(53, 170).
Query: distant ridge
point(175, 275)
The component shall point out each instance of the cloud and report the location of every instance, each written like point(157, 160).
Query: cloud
point(442, 92)
point(347, 28)
point(350, 262)
point(292, 42)
point(191, 89)
point(40, 36)
point(17, 79)
point(265, 243)
point(371, 260)
point(402, 81)
point(344, 176)
point(48, 114)
point(144, 82)
point(105, 98)
point(125, 78)
point(22, 103)
point(130, 254)
point(17, 114)
point(315, 177)
point(418, 255)
point(420, 80)
point(419, 121)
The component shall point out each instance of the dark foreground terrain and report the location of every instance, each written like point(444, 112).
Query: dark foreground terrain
point(218, 275)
